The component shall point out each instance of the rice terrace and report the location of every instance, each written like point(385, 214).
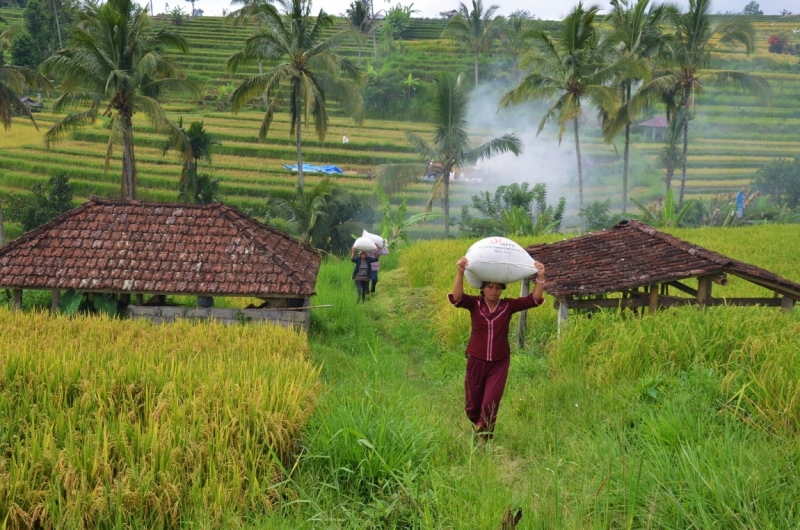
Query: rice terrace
point(347, 265)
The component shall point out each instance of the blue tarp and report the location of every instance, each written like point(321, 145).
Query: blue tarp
point(310, 168)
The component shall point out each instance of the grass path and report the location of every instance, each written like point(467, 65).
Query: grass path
point(654, 446)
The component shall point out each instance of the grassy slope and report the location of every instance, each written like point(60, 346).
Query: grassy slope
point(670, 421)
point(734, 134)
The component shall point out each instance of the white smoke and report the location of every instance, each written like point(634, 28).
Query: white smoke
point(543, 160)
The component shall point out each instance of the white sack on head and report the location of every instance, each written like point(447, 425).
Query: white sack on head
point(364, 244)
point(497, 259)
point(378, 240)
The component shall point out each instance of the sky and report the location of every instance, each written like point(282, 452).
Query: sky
point(545, 9)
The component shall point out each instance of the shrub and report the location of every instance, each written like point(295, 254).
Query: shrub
point(780, 180)
point(44, 203)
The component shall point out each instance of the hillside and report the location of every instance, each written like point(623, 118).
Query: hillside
point(733, 134)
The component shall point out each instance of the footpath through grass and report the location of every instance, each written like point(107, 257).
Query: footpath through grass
point(685, 419)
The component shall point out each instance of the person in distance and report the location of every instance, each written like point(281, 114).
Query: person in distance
point(488, 351)
point(361, 273)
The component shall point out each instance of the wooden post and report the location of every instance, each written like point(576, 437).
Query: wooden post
point(16, 305)
point(703, 290)
point(787, 304)
point(522, 324)
point(139, 299)
point(55, 301)
point(653, 299)
point(563, 314)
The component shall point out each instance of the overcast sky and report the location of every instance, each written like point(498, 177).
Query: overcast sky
point(547, 9)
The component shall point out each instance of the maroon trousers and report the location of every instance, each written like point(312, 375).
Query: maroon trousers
point(484, 385)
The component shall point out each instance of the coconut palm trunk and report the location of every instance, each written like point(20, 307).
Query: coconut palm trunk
point(626, 156)
point(580, 166)
point(128, 160)
point(476, 69)
point(300, 153)
point(446, 177)
point(685, 145)
point(670, 173)
point(2, 228)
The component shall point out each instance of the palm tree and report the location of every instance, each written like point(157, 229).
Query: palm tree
point(320, 215)
point(638, 35)
point(308, 70)
point(515, 36)
point(193, 144)
point(114, 64)
point(450, 149)
point(393, 226)
point(252, 11)
point(572, 68)
point(696, 35)
point(670, 154)
point(13, 81)
point(474, 29)
point(362, 24)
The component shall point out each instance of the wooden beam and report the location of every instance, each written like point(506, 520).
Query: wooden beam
point(653, 299)
point(563, 314)
point(523, 315)
point(787, 304)
point(16, 305)
point(609, 303)
point(684, 288)
point(55, 300)
point(703, 290)
point(139, 299)
point(791, 293)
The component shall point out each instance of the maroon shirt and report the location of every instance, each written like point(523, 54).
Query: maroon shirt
point(489, 337)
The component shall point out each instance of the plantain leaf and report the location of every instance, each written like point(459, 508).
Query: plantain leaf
point(70, 301)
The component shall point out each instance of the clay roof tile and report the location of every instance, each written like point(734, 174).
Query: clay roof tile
point(162, 248)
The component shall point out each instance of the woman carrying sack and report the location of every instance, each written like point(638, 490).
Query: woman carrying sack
point(361, 273)
point(488, 351)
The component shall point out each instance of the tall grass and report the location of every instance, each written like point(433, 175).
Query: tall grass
point(127, 424)
point(621, 423)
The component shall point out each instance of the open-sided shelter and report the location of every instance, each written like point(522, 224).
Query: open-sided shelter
point(134, 249)
point(633, 265)
point(655, 128)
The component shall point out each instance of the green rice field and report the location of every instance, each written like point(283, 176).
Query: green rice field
point(733, 135)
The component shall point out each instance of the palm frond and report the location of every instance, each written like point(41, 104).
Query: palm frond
point(754, 84)
point(67, 124)
point(420, 146)
point(508, 143)
point(395, 177)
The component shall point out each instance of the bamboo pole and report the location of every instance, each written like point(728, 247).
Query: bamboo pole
point(523, 315)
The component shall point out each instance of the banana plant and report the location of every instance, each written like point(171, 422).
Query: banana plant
point(519, 223)
point(667, 215)
point(394, 225)
point(410, 85)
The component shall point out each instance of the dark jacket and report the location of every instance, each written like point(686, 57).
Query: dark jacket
point(357, 261)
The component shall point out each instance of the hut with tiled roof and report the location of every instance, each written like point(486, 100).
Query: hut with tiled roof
point(655, 127)
point(635, 266)
point(134, 249)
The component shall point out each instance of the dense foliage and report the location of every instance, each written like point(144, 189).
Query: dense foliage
point(514, 210)
point(780, 181)
point(43, 204)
